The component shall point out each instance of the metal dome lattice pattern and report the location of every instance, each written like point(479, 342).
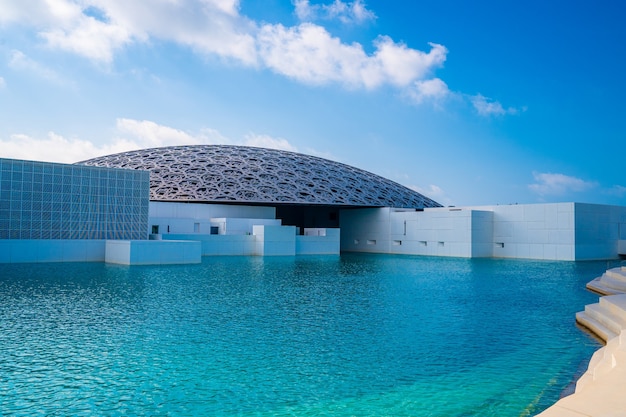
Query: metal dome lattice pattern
point(222, 173)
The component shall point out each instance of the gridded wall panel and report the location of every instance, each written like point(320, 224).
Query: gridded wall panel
point(40, 200)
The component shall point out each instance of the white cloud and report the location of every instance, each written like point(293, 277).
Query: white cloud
point(3, 83)
point(96, 29)
point(131, 135)
point(151, 135)
point(346, 12)
point(558, 184)
point(22, 63)
point(488, 107)
point(266, 141)
point(55, 148)
point(90, 38)
point(310, 54)
point(434, 90)
point(207, 26)
point(433, 192)
point(617, 190)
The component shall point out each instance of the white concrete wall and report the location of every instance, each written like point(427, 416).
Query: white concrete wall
point(237, 226)
point(365, 230)
point(437, 233)
point(558, 231)
point(152, 252)
point(323, 243)
point(482, 234)
point(186, 218)
point(534, 231)
point(207, 211)
point(22, 251)
point(598, 230)
point(220, 245)
point(440, 232)
point(275, 240)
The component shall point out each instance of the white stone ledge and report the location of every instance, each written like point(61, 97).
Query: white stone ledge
point(600, 391)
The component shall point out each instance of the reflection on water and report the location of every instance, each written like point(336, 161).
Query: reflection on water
point(349, 335)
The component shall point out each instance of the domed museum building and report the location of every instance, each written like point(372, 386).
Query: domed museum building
point(305, 191)
point(176, 204)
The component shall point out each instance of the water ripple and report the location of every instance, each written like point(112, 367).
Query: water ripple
point(350, 335)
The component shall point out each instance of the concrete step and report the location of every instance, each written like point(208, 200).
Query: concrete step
point(597, 286)
point(613, 281)
point(606, 316)
point(616, 304)
point(618, 274)
point(595, 326)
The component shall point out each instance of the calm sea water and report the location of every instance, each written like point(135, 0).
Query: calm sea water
point(356, 335)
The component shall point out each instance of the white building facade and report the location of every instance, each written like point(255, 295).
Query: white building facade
point(177, 204)
point(559, 231)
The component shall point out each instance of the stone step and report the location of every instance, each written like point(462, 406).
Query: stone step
point(598, 286)
point(616, 304)
point(618, 274)
point(617, 284)
point(615, 322)
point(595, 326)
point(613, 281)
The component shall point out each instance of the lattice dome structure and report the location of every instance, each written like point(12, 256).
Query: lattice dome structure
point(240, 174)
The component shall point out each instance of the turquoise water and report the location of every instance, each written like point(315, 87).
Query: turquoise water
point(356, 335)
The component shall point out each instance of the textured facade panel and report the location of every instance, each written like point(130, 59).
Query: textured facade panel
point(40, 200)
point(220, 173)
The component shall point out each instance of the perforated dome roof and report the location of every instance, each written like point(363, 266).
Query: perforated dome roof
point(240, 174)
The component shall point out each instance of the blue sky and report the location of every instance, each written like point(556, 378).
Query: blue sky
point(482, 102)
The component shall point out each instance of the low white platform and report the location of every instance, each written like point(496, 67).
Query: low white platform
point(613, 281)
point(153, 252)
point(51, 250)
point(267, 241)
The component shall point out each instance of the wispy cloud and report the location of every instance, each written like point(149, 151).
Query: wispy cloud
point(20, 62)
point(3, 83)
point(489, 107)
point(267, 141)
point(617, 190)
point(433, 90)
point(433, 192)
point(551, 184)
point(130, 135)
point(346, 12)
